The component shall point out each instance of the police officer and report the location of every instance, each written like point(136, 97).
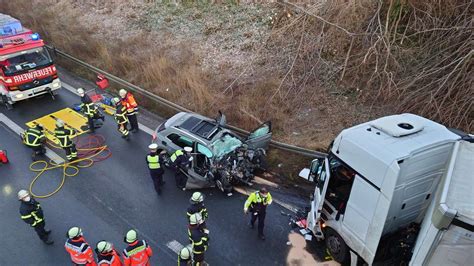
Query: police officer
point(121, 118)
point(106, 254)
point(77, 247)
point(181, 160)
point(137, 252)
point(257, 203)
point(197, 206)
point(34, 138)
point(64, 136)
point(199, 238)
point(32, 214)
point(128, 101)
point(154, 162)
point(89, 109)
point(184, 257)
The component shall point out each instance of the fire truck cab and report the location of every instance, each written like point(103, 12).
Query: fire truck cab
point(26, 67)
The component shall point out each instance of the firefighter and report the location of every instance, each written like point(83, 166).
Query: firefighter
point(137, 252)
point(197, 206)
point(34, 138)
point(257, 203)
point(199, 238)
point(128, 101)
point(32, 213)
point(184, 257)
point(64, 136)
point(106, 254)
point(154, 162)
point(89, 109)
point(181, 160)
point(121, 118)
point(77, 247)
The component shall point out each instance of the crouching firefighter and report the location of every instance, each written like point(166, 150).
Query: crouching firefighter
point(199, 238)
point(121, 117)
point(64, 136)
point(90, 110)
point(181, 160)
point(185, 257)
point(34, 138)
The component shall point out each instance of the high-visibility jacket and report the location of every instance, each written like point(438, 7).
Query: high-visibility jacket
point(257, 203)
point(130, 104)
point(137, 253)
point(112, 258)
point(64, 136)
point(80, 251)
point(87, 106)
point(198, 239)
point(33, 137)
point(120, 115)
point(31, 212)
point(198, 208)
point(153, 160)
point(175, 155)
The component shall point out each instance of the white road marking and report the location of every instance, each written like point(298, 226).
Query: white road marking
point(18, 130)
point(175, 246)
point(140, 125)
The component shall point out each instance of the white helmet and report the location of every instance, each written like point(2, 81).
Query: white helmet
point(115, 101)
point(23, 194)
point(197, 197)
point(131, 236)
point(81, 92)
point(188, 149)
point(185, 253)
point(104, 246)
point(59, 123)
point(74, 232)
point(153, 146)
point(122, 93)
point(195, 218)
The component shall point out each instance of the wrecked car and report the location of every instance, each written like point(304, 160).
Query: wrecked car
point(221, 158)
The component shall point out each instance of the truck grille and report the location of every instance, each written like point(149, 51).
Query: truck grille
point(35, 83)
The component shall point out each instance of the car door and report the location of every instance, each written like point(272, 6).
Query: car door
point(319, 170)
point(260, 137)
point(221, 119)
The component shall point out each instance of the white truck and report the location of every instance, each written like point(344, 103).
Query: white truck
point(400, 186)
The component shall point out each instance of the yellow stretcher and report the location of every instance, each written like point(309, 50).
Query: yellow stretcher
point(71, 119)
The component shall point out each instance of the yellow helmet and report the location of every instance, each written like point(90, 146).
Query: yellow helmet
point(74, 232)
point(185, 253)
point(131, 236)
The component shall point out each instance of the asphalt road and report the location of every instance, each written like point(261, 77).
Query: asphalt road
point(117, 194)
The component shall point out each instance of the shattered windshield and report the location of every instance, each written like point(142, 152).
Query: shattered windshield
point(225, 145)
point(25, 61)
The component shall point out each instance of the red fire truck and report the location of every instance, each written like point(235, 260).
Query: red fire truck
point(26, 68)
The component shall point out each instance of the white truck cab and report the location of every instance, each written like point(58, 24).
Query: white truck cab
point(378, 177)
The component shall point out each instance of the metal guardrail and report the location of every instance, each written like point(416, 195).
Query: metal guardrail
point(176, 107)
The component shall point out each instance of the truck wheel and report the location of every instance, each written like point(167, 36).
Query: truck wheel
point(336, 246)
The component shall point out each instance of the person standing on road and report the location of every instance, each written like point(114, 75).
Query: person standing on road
point(121, 118)
point(131, 105)
point(257, 203)
point(154, 165)
point(199, 238)
point(32, 214)
point(89, 109)
point(64, 136)
point(137, 252)
point(77, 247)
point(197, 206)
point(184, 257)
point(106, 254)
point(181, 160)
point(34, 138)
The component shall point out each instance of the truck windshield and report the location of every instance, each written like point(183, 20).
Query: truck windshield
point(20, 62)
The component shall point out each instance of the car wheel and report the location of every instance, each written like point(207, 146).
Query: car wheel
point(336, 246)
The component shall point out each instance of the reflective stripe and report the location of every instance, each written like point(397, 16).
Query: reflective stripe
point(135, 250)
point(153, 162)
point(175, 155)
point(26, 216)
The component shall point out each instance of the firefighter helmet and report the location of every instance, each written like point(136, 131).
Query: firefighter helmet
point(81, 92)
point(131, 236)
point(195, 218)
point(59, 123)
point(122, 93)
point(23, 194)
point(185, 253)
point(115, 101)
point(104, 246)
point(74, 232)
point(197, 197)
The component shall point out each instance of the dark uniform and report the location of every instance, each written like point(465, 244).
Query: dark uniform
point(198, 207)
point(32, 214)
point(122, 120)
point(257, 205)
point(34, 138)
point(91, 111)
point(64, 136)
point(156, 172)
point(180, 162)
point(199, 240)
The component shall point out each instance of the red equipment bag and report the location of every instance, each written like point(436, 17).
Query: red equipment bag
point(102, 82)
point(3, 156)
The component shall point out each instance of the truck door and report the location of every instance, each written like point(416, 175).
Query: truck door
point(320, 174)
